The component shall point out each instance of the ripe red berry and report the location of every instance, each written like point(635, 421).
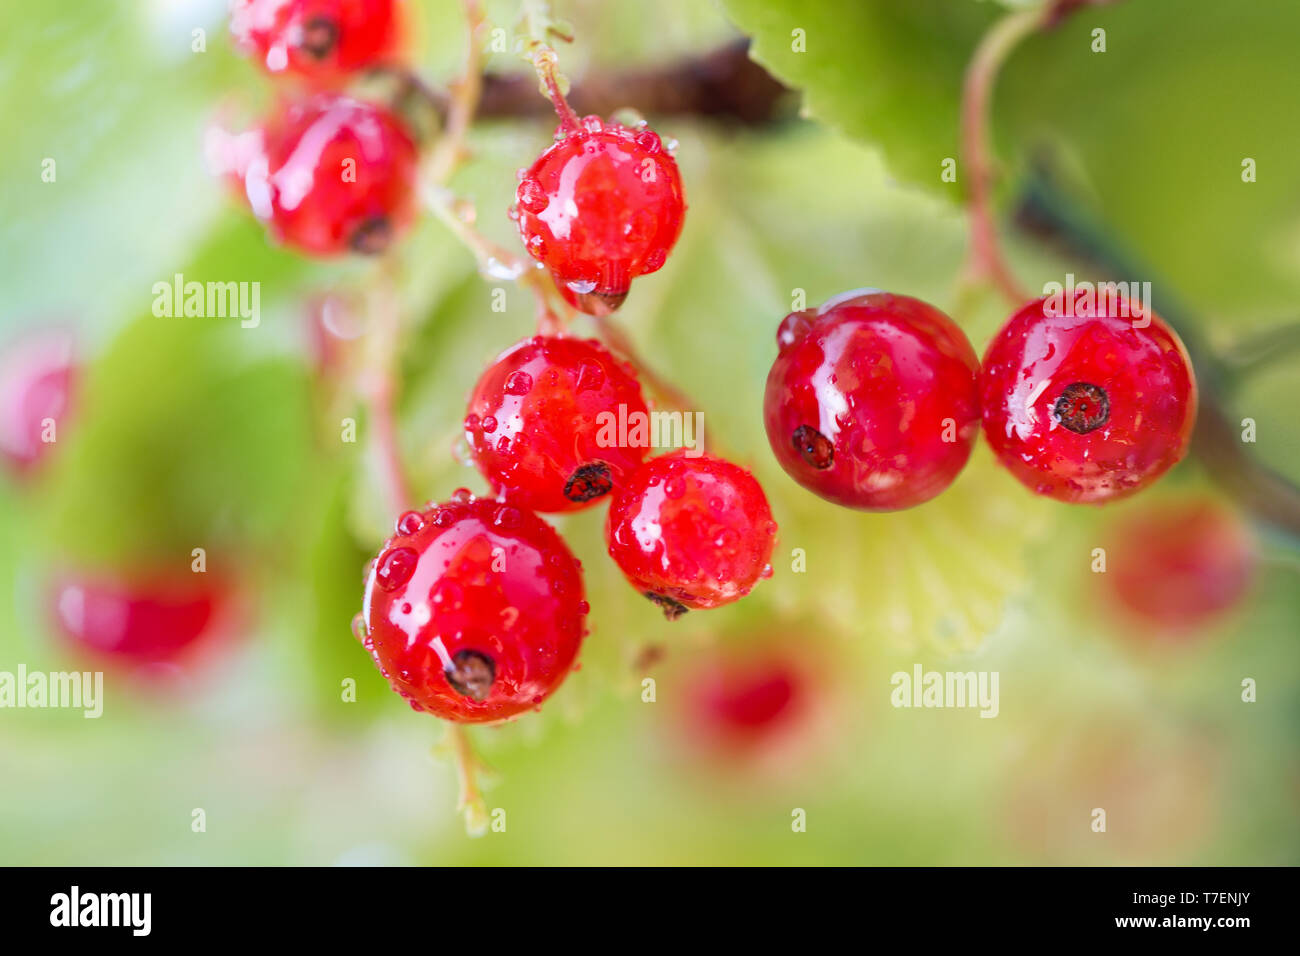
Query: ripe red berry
point(319, 39)
point(1087, 408)
point(543, 423)
point(334, 174)
point(144, 619)
point(1177, 566)
point(691, 532)
point(37, 376)
point(600, 207)
point(872, 401)
point(474, 609)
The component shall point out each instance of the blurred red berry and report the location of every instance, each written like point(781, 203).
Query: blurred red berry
point(334, 175)
point(1178, 566)
point(37, 380)
point(141, 619)
point(317, 39)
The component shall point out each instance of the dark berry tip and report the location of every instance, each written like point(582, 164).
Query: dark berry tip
point(1082, 407)
point(589, 481)
point(319, 35)
point(672, 609)
point(813, 447)
point(372, 237)
point(471, 674)
point(600, 303)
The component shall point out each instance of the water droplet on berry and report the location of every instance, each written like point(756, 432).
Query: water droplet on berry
point(410, 522)
point(792, 328)
point(395, 567)
point(519, 383)
point(489, 424)
point(536, 247)
point(590, 377)
point(462, 496)
point(649, 141)
point(674, 487)
point(359, 627)
point(532, 197)
point(507, 517)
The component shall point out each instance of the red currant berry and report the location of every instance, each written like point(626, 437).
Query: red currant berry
point(543, 423)
point(1179, 566)
point(474, 610)
point(335, 174)
point(872, 401)
point(145, 619)
point(37, 376)
point(691, 532)
point(600, 207)
point(1087, 408)
point(319, 39)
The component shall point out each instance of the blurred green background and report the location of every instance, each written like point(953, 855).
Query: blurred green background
point(195, 432)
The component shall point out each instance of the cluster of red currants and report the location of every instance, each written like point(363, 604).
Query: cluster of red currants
point(874, 400)
point(474, 610)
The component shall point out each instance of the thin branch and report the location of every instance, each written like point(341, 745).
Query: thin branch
point(985, 262)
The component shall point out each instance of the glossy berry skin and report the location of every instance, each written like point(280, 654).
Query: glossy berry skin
point(872, 401)
point(474, 610)
point(38, 376)
point(543, 423)
point(1178, 566)
point(321, 40)
point(1086, 408)
point(334, 175)
point(691, 532)
point(140, 619)
point(598, 208)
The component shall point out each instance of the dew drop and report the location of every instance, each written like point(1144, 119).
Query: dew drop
point(507, 517)
point(359, 627)
point(674, 487)
point(519, 383)
point(462, 496)
point(649, 141)
point(592, 123)
point(395, 567)
point(489, 424)
point(532, 197)
point(410, 522)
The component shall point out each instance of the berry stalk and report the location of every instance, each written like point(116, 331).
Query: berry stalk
point(985, 261)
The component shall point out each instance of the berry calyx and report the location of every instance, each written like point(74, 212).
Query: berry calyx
point(474, 609)
point(691, 532)
point(334, 175)
point(872, 402)
point(1087, 408)
point(598, 208)
point(37, 378)
point(322, 40)
point(1179, 566)
point(144, 619)
point(544, 423)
